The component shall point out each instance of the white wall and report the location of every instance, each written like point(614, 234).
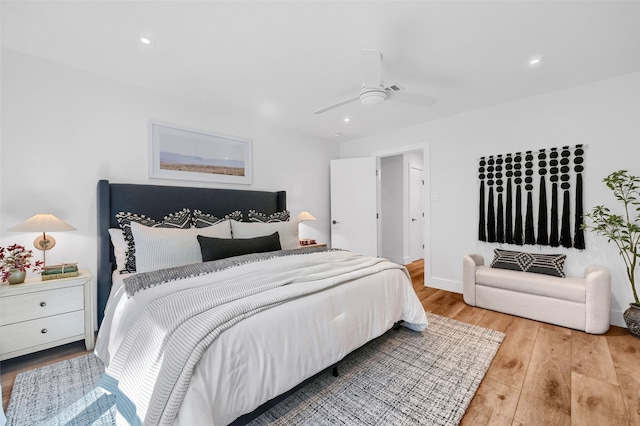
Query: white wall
point(64, 129)
point(603, 115)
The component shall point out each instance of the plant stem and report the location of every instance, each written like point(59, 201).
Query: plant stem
point(632, 253)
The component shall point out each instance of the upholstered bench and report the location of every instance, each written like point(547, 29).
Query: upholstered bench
point(582, 303)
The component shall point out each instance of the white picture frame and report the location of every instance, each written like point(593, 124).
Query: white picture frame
point(182, 153)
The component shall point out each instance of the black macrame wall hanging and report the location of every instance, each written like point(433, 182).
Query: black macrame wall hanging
point(508, 218)
point(482, 224)
point(501, 215)
point(517, 227)
point(578, 159)
point(529, 236)
point(500, 211)
point(554, 236)
point(491, 211)
point(543, 235)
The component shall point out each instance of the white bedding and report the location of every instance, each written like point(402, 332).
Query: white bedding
point(274, 350)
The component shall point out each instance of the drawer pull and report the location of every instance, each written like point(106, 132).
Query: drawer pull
point(44, 331)
point(43, 304)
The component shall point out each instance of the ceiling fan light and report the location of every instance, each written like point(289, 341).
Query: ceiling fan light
point(375, 97)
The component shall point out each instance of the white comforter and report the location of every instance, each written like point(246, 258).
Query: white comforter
point(272, 351)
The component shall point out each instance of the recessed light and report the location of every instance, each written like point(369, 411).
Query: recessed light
point(346, 119)
point(145, 40)
point(535, 61)
point(337, 135)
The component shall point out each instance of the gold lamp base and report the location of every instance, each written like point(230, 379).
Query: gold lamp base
point(44, 242)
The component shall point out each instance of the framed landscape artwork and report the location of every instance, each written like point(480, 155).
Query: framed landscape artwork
point(188, 154)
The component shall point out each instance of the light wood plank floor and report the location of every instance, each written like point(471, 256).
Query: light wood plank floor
point(542, 374)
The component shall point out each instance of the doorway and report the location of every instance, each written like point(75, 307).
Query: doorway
point(401, 224)
point(373, 202)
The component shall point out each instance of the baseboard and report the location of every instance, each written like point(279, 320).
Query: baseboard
point(398, 259)
point(444, 284)
point(617, 319)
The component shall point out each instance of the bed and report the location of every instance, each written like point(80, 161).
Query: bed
point(287, 314)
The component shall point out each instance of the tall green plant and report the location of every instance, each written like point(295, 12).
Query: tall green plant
point(624, 229)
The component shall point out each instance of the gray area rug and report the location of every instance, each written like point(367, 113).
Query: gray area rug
point(401, 378)
point(64, 393)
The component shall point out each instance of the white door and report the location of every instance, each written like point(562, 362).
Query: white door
point(354, 198)
point(416, 214)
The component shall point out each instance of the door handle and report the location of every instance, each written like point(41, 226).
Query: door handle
point(334, 222)
point(413, 219)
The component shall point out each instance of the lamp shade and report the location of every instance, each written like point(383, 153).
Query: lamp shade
point(43, 222)
point(305, 216)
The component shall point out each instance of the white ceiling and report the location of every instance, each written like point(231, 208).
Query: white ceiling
point(283, 60)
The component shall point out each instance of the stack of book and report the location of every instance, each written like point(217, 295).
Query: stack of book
point(64, 270)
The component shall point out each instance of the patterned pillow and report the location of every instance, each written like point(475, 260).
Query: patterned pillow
point(119, 247)
point(179, 220)
point(282, 216)
point(549, 264)
point(203, 220)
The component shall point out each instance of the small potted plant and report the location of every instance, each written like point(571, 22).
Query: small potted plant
point(15, 261)
point(624, 231)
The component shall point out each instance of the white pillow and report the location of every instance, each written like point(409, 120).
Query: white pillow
point(120, 247)
point(160, 248)
point(288, 231)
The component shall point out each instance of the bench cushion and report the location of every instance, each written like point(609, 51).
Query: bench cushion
point(572, 289)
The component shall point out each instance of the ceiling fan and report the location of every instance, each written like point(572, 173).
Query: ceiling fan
point(373, 91)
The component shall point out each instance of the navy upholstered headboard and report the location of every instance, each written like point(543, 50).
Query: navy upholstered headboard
point(158, 201)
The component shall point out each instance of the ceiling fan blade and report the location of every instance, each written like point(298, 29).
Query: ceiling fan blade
point(339, 104)
point(371, 68)
point(411, 98)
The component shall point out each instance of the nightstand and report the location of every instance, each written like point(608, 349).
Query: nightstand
point(40, 314)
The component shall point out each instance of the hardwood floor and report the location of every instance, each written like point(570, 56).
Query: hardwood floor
point(542, 374)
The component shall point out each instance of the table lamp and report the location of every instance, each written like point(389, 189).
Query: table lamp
point(43, 222)
point(302, 217)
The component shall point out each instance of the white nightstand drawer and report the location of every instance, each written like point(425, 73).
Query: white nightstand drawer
point(23, 307)
point(40, 331)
